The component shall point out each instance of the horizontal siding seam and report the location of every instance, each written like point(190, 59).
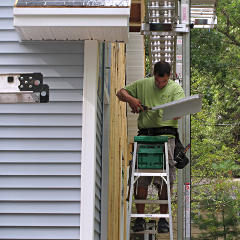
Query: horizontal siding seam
point(42, 138)
point(40, 201)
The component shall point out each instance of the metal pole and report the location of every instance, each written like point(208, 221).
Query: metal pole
point(187, 137)
point(180, 198)
point(184, 180)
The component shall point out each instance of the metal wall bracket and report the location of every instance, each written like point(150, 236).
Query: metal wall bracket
point(23, 88)
point(146, 28)
point(157, 27)
point(182, 28)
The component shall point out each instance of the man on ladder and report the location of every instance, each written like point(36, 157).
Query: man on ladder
point(151, 92)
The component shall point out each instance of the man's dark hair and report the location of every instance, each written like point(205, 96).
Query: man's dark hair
point(161, 68)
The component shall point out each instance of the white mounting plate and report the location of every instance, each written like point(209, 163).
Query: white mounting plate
point(6, 86)
point(181, 107)
point(24, 97)
point(10, 93)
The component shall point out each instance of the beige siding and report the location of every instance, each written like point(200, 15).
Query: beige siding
point(135, 71)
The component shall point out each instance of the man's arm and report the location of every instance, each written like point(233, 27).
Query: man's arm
point(134, 103)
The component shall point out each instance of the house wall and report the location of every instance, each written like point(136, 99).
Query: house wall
point(40, 144)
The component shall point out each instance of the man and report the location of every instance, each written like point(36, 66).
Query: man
point(151, 92)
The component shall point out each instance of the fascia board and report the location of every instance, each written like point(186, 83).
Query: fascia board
point(88, 17)
point(73, 11)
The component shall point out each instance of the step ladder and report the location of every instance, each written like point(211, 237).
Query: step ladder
point(139, 143)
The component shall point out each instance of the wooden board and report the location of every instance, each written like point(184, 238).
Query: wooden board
point(118, 147)
point(136, 15)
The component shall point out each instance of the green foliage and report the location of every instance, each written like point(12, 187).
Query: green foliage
point(148, 68)
point(215, 69)
point(210, 43)
point(229, 20)
point(219, 202)
point(214, 149)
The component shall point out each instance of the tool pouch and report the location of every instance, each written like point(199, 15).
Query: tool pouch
point(179, 155)
point(179, 151)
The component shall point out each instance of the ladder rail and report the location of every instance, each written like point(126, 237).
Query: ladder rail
point(131, 190)
point(169, 193)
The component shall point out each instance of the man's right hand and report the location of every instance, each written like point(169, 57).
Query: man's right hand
point(133, 102)
point(135, 105)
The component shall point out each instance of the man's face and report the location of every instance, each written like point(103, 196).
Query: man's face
point(161, 82)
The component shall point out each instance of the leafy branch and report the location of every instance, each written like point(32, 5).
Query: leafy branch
point(229, 24)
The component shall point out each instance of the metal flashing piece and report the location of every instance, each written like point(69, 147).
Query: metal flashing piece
point(72, 3)
point(165, 27)
point(156, 27)
point(181, 28)
point(160, 27)
point(182, 107)
point(203, 13)
point(23, 88)
point(203, 2)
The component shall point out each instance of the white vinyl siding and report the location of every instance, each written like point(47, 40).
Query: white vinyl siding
point(40, 144)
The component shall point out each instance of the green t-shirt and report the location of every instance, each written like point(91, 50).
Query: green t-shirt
point(151, 96)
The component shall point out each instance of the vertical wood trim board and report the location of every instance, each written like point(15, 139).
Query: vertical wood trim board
point(118, 144)
point(88, 166)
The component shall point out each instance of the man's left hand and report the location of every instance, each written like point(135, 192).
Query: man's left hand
point(176, 118)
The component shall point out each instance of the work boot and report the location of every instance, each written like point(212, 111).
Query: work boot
point(163, 226)
point(139, 225)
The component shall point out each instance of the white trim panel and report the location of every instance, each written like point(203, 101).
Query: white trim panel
point(110, 24)
point(73, 11)
point(88, 166)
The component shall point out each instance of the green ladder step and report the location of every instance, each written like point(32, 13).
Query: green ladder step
point(150, 139)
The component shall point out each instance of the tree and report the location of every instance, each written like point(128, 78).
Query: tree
point(215, 57)
point(229, 20)
point(220, 205)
